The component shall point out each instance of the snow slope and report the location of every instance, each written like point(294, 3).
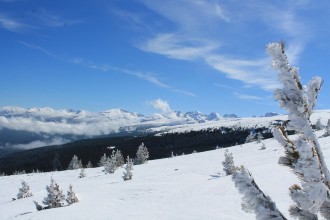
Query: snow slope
point(184, 187)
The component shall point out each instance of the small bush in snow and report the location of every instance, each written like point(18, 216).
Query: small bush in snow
point(110, 166)
point(118, 157)
point(71, 196)
point(82, 173)
point(104, 159)
point(259, 137)
point(75, 163)
point(142, 155)
point(263, 146)
point(250, 138)
point(128, 169)
point(55, 196)
point(89, 165)
point(228, 163)
point(318, 125)
point(24, 191)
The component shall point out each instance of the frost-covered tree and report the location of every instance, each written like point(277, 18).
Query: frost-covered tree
point(327, 130)
point(303, 155)
point(75, 163)
point(55, 196)
point(228, 163)
point(128, 169)
point(110, 166)
point(118, 157)
point(259, 137)
point(142, 155)
point(254, 200)
point(250, 137)
point(24, 191)
point(104, 159)
point(318, 124)
point(82, 173)
point(71, 196)
point(89, 165)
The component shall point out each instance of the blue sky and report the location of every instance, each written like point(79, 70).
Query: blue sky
point(151, 56)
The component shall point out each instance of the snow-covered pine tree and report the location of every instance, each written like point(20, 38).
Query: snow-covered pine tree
point(253, 198)
point(118, 157)
point(54, 197)
point(111, 165)
point(259, 137)
point(318, 124)
point(75, 163)
point(82, 173)
point(228, 163)
point(128, 169)
point(250, 137)
point(24, 191)
point(104, 159)
point(89, 165)
point(71, 196)
point(142, 155)
point(303, 155)
point(327, 129)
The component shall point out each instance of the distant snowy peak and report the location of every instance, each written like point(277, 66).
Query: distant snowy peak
point(213, 116)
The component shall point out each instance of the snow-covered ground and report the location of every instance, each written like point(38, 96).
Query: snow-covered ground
point(184, 187)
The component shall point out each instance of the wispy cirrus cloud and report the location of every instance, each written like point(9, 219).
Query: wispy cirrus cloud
point(36, 47)
point(11, 24)
point(144, 76)
point(197, 35)
point(247, 97)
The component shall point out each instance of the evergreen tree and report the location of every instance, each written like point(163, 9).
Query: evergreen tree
point(118, 157)
point(228, 163)
point(250, 137)
point(303, 155)
point(104, 159)
point(318, 125)
point(110, 166)
point(259, 137)
point(55, 196)
point(128, 169)
point(327, 129)
point(75, 163)
point(71, 196)
point(142, 155)
point(89, 165)
point(24, 191)
point(82, 173)
point(253, 198)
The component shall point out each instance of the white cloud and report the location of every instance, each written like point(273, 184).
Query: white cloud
point(11, 24)
point(247, 97)
point(174, 45)
point(36, 144)
point(161, 105)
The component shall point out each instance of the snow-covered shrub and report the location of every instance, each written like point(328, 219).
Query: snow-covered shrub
point(250, 137)
point(55, 196)
point(254, 200)
point(263, 146)
point(259, 137)
point(118, 157)
point(142, 155)
point(104, 159)
point(82, 173)
point(71, 196)
point(24, 191)
point(327, 130)
point(89, 165)
point(318, 125)
point(128, 169)
point(75, 163)
point(303, 155)
point(228, 163)
point(110, 166)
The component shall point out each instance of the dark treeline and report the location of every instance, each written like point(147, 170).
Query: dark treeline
point(58, 157)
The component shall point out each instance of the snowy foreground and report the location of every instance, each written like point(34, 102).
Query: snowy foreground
point(184, 187)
